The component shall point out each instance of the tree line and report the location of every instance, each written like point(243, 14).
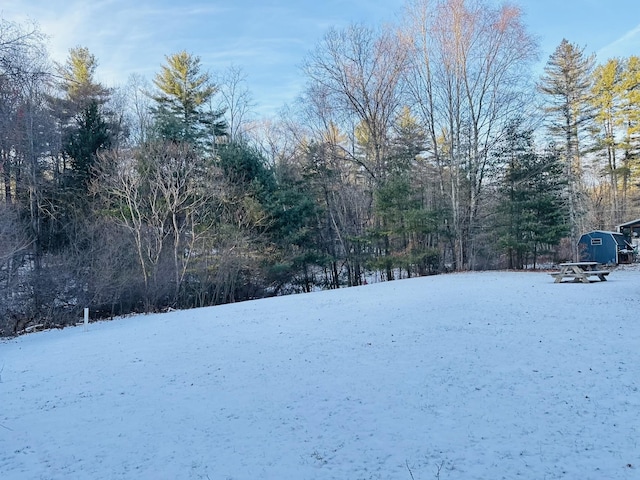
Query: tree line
point(413, 149)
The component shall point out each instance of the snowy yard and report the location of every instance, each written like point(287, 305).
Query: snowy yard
point(465, 376)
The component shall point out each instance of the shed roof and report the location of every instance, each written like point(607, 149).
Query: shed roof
point(632, 223)
point(602, 231)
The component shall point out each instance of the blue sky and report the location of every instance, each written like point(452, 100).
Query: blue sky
point(269, 39)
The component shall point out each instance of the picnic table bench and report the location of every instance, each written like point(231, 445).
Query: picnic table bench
point(579, 272)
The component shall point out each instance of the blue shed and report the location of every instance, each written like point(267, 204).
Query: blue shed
point(609, 248)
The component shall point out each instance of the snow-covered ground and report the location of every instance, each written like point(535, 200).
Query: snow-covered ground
point(491, 376)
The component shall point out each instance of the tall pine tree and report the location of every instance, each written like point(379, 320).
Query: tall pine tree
point(181, 100)
point(80, 112)
point(566, 83)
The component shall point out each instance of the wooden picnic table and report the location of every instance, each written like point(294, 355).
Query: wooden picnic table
point(580, 272)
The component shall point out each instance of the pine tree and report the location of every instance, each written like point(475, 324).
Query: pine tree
point(606, 102)
point(630, 92)
point(80, 111)
point(531, 211)
point(78, 82)
point(181, 100)
point(404, 226)
point(92, 134)
point(567, 85)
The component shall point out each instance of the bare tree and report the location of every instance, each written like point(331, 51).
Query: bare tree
point(121, 187)
point(236, 101)
point(17, 42)
point(139, 117)
point(10, 101)
point(341, 188)
point(15, 244)
point(468, 70)
point(161, 194)
point(13, 241)
point(358, 72)
point(22, 68)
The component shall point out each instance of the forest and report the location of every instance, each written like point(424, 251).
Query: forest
point(414, 149)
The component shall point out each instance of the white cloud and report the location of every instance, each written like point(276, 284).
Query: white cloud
point(624, 46)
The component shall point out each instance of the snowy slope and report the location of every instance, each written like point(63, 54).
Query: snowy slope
point(464, 376)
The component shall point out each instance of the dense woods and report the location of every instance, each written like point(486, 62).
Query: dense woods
point(415, 149)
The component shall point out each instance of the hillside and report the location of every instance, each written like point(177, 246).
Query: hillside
point(461, 376)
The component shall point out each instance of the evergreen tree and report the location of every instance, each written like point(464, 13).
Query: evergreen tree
point(181, 100)
point(78, 83)
point(294, 230)
point(407, 143)
point(277, 209)
point(531, 211)
point(82, 145)
point(630, 93)
point(404, 222)
point(80, 111)
point(606, 102)
point(566, 83)
point(245, 168)
point(616, 127)
point(82, 129)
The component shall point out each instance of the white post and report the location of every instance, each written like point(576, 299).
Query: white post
point(86, 319)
